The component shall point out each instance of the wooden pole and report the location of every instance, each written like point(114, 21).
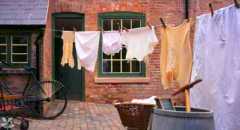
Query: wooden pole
point(187, 100)
point(186, 90)
point(186, 9)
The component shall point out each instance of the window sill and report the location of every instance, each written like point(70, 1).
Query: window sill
point(122, 80)
point(13, 71)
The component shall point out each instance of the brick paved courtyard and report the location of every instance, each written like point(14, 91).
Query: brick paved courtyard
point(82, 116)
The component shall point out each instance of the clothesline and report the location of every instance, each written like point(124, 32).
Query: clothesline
point(58, 30)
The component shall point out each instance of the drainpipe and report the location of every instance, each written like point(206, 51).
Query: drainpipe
point(38, 52)
point(186, 9)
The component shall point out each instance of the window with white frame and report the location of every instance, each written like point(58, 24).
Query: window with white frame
point(14, 48)
point(116, 64)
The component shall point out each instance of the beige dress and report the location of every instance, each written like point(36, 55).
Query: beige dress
point(68, 40)
point(176, 55)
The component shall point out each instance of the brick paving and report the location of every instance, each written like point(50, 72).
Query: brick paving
point(82, 116)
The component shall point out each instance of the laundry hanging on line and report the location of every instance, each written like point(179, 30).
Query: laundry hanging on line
point(87, 44)
point(112, 42)
point(216, 60)
point(68, 39)
point(176, 55)
point(139, 43)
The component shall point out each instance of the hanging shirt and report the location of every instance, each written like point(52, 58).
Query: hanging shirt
point(139, 42)
point(176, 55)
point(68, 39)
point(111, 42)
point(87, 44)
point(216, 60)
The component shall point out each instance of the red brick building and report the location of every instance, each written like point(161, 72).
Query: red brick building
point(114, 78)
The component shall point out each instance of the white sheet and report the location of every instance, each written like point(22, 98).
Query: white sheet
point(217, 62)
point(87, 44)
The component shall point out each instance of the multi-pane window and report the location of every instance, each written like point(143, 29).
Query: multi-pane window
point(3, 48)
point(117, 64)
point(19, 49)
point(14, 48)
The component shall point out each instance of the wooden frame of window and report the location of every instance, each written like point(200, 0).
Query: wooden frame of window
point(13, 49)
point(122, 16)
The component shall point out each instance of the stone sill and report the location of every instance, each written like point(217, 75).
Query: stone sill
point(13, 71)
point(122, 80)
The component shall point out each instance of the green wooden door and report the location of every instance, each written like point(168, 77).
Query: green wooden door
point(72, 78)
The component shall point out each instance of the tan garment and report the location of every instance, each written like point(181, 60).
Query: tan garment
point(68, 39)
point(176, 55)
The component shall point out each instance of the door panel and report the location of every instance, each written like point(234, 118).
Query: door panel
point(72, 78)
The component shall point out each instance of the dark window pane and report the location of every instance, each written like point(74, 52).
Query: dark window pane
point(106, 56)
point(125, 66)
point(3, 57)
point(19, 49)
point(116, 24)
point(3, 40)
point(124, 52)
point(127, 24)
point(69, 23)
point(106, 66)
point(107, 25)
point(19, 58)
point(116, 66)
point(19, 39)
point(116, 56)
point(136, 23)
point(3, 49)
point(135, 66)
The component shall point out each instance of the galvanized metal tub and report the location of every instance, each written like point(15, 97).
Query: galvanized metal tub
point(197, 119)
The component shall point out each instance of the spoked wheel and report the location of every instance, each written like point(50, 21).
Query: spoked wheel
point(24, 125)
point(52, 99)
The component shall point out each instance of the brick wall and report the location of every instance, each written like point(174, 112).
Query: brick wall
point(172, 11)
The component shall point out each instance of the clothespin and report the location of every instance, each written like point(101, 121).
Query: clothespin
point(149, 25)
point(237, 3)
point(119, 27)
point(211, 9)
point(74, 29)
point(101, 30)
point(163, 23)
point(124, 28)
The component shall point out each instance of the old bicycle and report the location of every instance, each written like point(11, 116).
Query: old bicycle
point(39, 99)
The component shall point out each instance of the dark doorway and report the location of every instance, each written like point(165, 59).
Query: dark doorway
point(72, 78)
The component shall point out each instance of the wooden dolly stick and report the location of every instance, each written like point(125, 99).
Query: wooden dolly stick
point(186, 89)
